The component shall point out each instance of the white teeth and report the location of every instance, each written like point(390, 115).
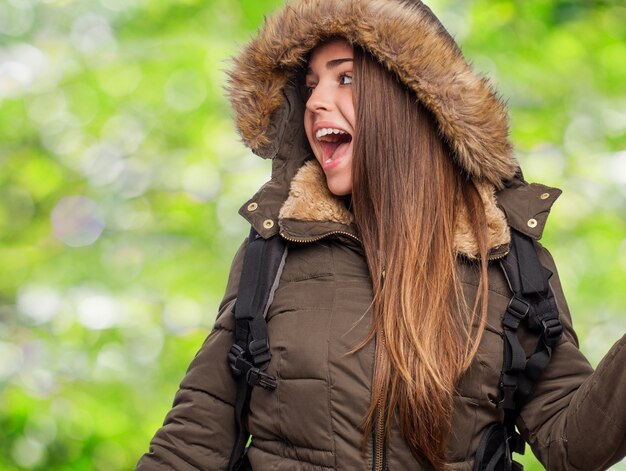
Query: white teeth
point(325, 131)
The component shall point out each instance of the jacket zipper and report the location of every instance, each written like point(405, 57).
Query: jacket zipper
point(379, 455)
point(499, 256)
point(379, 458)
point(323, 236)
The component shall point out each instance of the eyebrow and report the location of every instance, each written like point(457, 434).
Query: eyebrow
point(331, 64)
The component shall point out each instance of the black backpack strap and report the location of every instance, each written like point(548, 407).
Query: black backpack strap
point(534, 303)
point(250, 355)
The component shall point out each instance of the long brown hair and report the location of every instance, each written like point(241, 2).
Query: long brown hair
point(407, 191)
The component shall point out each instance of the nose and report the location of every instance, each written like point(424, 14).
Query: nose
point(320, 99)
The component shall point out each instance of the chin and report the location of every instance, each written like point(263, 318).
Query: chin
point(339, 188)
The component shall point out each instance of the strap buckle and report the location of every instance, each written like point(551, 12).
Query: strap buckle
point(260, 351)
point(517, 309)
point(508, 387)
point(235, 359)
point(256, 376)
point(552, 331)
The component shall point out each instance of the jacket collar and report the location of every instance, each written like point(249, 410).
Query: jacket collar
point(310, 212)
point(527, 206)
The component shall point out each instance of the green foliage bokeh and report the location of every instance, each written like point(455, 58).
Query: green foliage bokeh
point(122, 176)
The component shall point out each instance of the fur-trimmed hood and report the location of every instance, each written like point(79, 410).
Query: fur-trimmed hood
point(409, 40)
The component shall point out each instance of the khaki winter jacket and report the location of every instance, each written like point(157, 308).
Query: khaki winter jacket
point(575, 418)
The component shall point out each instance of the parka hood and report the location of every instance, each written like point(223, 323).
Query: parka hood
point(409, 40)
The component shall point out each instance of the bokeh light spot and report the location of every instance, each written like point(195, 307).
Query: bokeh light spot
point(10, 360)
point(182, 315)
point(38, 381)
point(616, 168)
point(98, 311)
point(133, 215)
point(91, 32)
point(28, 452)
point(14, 78)
point(145, 347)
point(118, 5)
point(16, 18)
point(49, 112)
point(76, 221)
point(103, 163)
point(42, 428)
point(126, 132)
point(185, 90)
point(111, 362)
point(38, 303)
point(201, 181)
point(22, 68)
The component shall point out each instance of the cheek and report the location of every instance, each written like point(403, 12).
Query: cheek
point(308, 126)
point(347, 106)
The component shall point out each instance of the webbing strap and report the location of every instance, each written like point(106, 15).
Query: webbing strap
point(494, 450)
point(241, 402)
point(498, 458)
point(532, 302)
point(250, 355)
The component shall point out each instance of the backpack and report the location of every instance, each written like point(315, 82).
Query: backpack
point(532, 302)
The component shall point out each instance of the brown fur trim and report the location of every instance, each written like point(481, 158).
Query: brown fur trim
point(310, 200)
point(498, 228)
point(409, 40)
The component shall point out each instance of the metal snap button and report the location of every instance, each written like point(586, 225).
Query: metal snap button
point(252, 206)
point(268, 224)
point(532, 222)
point(545, 196)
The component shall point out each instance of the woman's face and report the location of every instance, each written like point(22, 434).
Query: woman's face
point(329, 113)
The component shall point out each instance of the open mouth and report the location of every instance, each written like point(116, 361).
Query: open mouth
point(331, 140)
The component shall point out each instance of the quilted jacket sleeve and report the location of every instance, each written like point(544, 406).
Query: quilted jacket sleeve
point(199, 430)
point(576, 419)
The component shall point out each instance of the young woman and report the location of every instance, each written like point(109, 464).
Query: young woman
point(395, 185)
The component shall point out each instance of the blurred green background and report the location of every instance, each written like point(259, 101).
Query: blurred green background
point(121, 176)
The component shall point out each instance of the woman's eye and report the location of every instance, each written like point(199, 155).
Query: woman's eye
point(345, 79)
point(308, 90)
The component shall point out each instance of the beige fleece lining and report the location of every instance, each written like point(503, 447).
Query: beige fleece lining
point(310, 200)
